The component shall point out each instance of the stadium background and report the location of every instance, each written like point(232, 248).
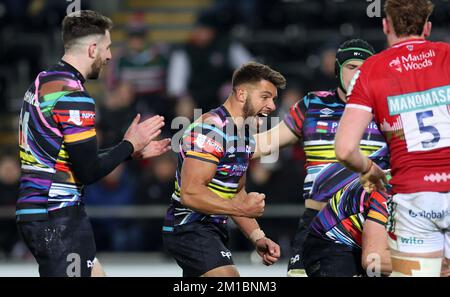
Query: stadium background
point(296, 37)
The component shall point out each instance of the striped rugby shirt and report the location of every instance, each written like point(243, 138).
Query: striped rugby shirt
point(342, 219)
point(56, 111)
point(213, 138)
point(314, 120)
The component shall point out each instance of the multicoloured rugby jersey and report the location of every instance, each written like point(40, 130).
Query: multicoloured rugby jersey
point(407, 88)
point(214, 139)
point(56, 111)
point(314, 120)
point(342, 219)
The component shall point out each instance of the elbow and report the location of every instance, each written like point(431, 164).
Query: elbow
point(193, 200)
point(85, 173)
point(85, 179)
point(343, 151)
point(186, 198)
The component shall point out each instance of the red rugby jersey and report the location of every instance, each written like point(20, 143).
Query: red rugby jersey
point(407, 88)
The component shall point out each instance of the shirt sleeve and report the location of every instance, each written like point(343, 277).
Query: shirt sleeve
point(296, 115)
point(204, 142)
point(358, 93)
point(378, 208)
point(75, 115)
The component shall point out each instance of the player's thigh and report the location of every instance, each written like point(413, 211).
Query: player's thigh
point(417, 235)
point(445, 269)
point(43, 241)
point(198, 247)
point(417, 222)
point(417, 264)
point(62, 246)
point(328, 259)
point(97, 269)
point(222, 271)
point(295, 265)
point(80, 240)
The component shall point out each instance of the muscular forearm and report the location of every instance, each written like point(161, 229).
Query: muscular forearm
point(103, 151)
point(272, 140)
point(353, 159)
point(202, 199)
point(263, 144)
point(246, 225)
point(89, 165)
point(348, 136)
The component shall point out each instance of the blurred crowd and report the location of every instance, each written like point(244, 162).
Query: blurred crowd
point(171, 80)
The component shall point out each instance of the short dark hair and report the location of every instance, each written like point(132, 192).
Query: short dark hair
point(83, 23)
point(357, 43)
point(254, 72)
point(408, 16)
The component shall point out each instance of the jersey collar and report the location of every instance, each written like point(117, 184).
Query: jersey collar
point(64, 66)
point(409, 41)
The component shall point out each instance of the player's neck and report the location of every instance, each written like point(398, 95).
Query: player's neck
point(341, 95)
point(74, 61)
point(235, 111)
point(393, 40)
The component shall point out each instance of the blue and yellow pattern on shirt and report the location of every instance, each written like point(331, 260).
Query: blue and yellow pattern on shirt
point(314, 120)
point(214, 139)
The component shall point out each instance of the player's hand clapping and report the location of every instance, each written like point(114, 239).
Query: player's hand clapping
point(141, 134)
point(153, 149)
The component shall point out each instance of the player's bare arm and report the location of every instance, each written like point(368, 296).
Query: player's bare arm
point(374, 244)
point(266, 248)
point(195, 193)
point(273, 140)
point(348, 136)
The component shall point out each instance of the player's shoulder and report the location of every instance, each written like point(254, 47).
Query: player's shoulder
point(442, 49)
point(318, 97)
point(377, 61)
point(62, 89)
point(59, 82)
point(216, 117)
point(321, 94)
point(393, 57)
point(354, 189)
point(213, 121)
point(440, 45)
point(380, 196)
point(63, 79)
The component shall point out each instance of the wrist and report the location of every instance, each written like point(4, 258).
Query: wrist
point(128, 142)
point(368, 167)
point(256, 235)
point(236, 205)
point(235, 210)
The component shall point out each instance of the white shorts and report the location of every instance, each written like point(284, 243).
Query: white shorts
point(420, 222)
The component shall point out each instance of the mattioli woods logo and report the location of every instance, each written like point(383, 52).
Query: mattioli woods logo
point(413, 61)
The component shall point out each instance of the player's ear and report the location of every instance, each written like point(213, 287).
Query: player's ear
point(386, 30)
point(427, 29)
point(92, 50)
point(241, 94)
